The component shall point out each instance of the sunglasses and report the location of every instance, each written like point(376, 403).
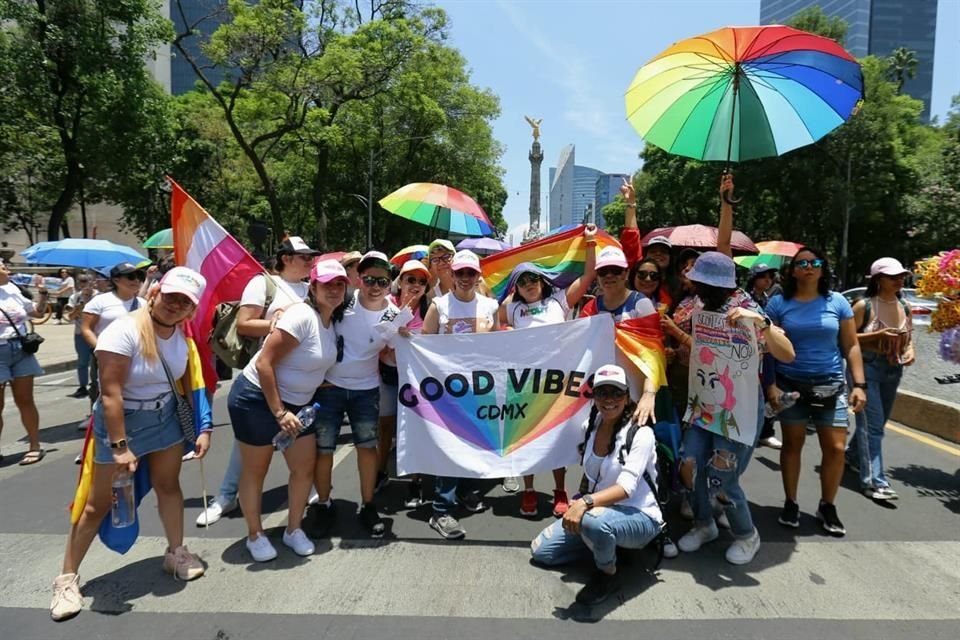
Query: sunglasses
point(136, 275)
point(816, 263)
point(444, 258)
point(466, 273)
point(375, 281)
point(649, 275)
point(177, 300)
point(610, 271)
point(609, 393)
point(527, 278)
point(339, 348)
point(415, 280)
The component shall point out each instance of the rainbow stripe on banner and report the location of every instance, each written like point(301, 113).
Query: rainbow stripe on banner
point(640, 341)
point(122, 539)
point(200, 243)
point(561, 256)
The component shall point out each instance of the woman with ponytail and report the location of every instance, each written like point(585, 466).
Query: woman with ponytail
point(619, 505)
point(134, 418)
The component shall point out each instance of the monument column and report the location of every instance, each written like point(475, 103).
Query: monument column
point(536, 158)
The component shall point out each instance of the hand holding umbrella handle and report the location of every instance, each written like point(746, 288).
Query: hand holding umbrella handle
point(726, 188)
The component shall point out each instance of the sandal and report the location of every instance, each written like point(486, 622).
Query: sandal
point(32, 457)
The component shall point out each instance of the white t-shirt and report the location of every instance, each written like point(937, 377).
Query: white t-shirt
point(79, 299)
point(362, 343)
point(475, 316)
point(551, 310)
point(18, 307)
point(67, 286)
point(145, 380)
point(287, 293)
point(303, 370)
point(108, 307)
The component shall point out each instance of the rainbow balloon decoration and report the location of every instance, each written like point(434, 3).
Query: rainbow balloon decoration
point(561, 257)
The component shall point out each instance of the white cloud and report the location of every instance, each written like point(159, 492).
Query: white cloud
point(515, 233)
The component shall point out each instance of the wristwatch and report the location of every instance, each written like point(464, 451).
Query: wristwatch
point(587, 500)
point(766, 322)
point(860, 385)
point(119, 444)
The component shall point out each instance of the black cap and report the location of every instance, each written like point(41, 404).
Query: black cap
point(296, 245)
point(123, 269)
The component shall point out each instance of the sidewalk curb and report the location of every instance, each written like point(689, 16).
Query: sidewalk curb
point(59, 367)
point(937, 417)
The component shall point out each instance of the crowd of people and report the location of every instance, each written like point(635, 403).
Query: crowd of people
point(326, 331)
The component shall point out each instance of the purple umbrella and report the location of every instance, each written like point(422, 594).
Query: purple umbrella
point(483, 246)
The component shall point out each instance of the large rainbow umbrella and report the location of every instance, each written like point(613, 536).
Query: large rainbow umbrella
point(413, 252)
point(439, 207)
point(162, 239)
point(773, 253)
point(740, 93)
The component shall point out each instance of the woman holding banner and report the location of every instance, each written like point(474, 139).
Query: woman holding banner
point(460, 311)
point(534, 302)
point(619, 508)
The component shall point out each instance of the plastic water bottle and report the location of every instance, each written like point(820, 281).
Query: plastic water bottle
point(123, 511)
point(787, 399)
point(306, 416)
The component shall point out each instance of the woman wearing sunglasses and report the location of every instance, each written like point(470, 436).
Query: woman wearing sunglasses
point(619, 507)
point(135, 419)
point(439, 258)
point(411, 298)
point(646, 277)
point(461, 311)
point(535, 302)
point(352, 389)
point(282, 378)
point(820, 324)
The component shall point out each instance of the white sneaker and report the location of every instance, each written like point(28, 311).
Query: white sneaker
point(299, 542)
point(218, 506)
point(771, 442)
point(698, 536)
point(670, 549)
point(261, 549)
point(742, 551)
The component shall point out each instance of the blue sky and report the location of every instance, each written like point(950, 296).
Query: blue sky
point(570, 61)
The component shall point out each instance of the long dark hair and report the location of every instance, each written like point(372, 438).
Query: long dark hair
point(337, 315)
point(655, 296)
point(712, 297)
point(826, 275)
point(592, 424)
point(873, 287)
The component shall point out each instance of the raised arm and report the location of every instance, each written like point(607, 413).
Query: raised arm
point(582, 284)
point(630, 234)
point(725, 227)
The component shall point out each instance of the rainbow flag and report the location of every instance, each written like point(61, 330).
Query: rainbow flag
point(200, 243)
point(122, 539)
point(561, 256)
point(640, 340)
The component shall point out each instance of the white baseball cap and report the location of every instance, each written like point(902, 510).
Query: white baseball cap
point(664, 240)
point(612, 375)
point(326, 271)
point(611, 257)
point(185, 281)
point(414, 265)
point(373, 259)
point(887, 267)
point(465, 259)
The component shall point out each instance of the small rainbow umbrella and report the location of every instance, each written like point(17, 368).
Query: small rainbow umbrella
point(773, 253)
point(740, 93)
point(162, 239)
point(413, 252)
point(439, 207)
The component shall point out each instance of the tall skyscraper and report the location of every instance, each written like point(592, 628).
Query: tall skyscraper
point(578, 194)
point(170, 69)
point(606, 190)
point(877, 27)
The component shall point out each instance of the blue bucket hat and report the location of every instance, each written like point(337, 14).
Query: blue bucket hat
point(714, 269)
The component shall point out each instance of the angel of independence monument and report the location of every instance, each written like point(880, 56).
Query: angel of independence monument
point(536, 157)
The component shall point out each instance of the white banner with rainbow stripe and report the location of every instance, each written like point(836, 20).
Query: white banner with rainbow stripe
point(500, 404)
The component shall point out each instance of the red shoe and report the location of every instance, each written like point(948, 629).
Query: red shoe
point(528, 503)
point(560, 503)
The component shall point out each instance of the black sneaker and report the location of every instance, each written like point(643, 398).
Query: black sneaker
point(790, 516)
point(414, 494)
point(600, 587)
point(319, 520)
point(371, 520)
point(827, 515)
point(472, 502)
point(79, 393)
point(382, 480)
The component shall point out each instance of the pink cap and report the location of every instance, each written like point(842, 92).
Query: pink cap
point(887, 267)
point(185, 281)
point(611, 257)
point(465, 259)
point(326, 271)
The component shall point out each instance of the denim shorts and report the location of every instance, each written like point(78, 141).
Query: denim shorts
point(253, 422)
point(147, 430)
point(803, 413)
point(14, 363)
point(363, 409)
point(388, 400)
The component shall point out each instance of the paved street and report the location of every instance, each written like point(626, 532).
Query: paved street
point(896, 574)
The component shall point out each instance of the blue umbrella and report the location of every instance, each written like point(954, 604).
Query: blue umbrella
point(81, 252)
point(482, 246)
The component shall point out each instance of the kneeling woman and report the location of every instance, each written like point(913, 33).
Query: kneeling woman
point(135, 417)
point(620, 508)
point(280, 380)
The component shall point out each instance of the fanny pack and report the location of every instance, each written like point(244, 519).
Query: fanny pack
point(821, 396)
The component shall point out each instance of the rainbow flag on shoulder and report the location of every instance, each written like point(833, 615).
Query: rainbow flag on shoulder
point(561, 256)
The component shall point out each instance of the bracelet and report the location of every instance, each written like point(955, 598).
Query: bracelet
point(279, 415)
point(860, 385)
point(591, 243)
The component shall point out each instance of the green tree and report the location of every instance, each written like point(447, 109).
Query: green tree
point(814, 20)
point(902, 65)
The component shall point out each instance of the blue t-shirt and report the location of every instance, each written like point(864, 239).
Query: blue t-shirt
point(814, 329)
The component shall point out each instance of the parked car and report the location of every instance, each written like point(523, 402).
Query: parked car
point(920, 308)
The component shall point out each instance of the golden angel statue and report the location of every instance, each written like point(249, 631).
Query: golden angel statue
point(535, 123)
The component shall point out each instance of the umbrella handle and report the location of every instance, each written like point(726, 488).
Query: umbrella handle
point(731, 201)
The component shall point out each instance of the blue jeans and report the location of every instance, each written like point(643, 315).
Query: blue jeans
point(602, 530)
point(865, 447)
point(362, 406)
point(231, 477)
point(84, 351)
point(719, 464)
point(445, 494)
